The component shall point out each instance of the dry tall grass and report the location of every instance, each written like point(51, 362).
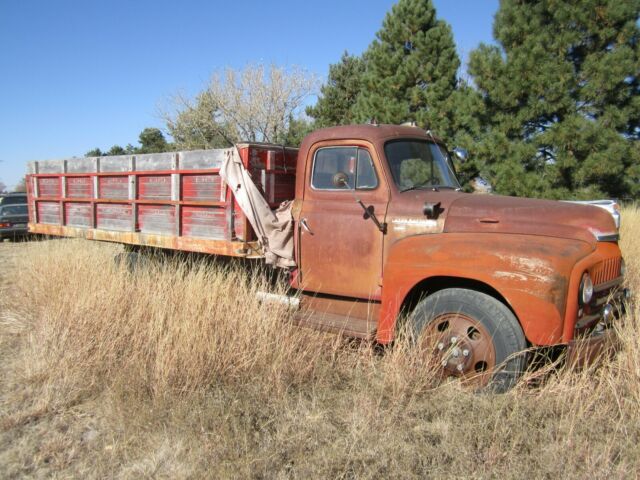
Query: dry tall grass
point(178, 371)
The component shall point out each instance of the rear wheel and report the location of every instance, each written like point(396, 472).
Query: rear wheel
point(132, 261)
point(471, 336)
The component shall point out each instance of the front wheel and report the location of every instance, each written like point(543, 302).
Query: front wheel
point(472, 336)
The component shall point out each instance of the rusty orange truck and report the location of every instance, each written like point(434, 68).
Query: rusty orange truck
point(372, 225)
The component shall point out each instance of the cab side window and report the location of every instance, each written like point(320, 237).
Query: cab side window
point(365, 173)
point(353, 163)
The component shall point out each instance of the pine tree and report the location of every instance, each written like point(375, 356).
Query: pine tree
point(410, 69)
point(461, 127)
point(116, 150)
point(298, 128)
point(561, 98)
point(339, 94)
point(95, 152)
point(152, 141)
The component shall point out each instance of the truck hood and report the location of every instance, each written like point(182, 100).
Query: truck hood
point(500, 214)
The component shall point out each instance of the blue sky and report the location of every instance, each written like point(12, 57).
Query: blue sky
point(80, 74)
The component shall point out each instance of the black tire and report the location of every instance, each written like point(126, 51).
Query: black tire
point(132, 261)
point(494, 321)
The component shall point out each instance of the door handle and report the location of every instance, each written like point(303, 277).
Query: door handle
point(303, 224)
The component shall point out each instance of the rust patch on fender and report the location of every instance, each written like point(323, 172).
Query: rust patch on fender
point(535, 276)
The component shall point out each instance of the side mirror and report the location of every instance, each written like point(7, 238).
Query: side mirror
point(341, 180)
point(461, 154)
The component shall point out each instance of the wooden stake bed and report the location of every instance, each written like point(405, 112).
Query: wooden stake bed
point(174, 200)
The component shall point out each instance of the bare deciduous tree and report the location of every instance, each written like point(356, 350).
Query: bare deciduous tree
point(194, 123)
point(254, 104)
point(21, 186)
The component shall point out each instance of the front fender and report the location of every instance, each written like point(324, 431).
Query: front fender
point(530, 272)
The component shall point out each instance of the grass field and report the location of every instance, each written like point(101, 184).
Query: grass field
point(177, 371)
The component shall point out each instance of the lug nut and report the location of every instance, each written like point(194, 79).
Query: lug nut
point(460, 367)
point(454, 339)
point(440, 346)
point(465, 353)
point(444, 363)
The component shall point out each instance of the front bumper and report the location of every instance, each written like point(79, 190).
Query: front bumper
point(586, 351)
point(600, 340)
point(13, 232)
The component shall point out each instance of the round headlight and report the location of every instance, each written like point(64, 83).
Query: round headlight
point(586, 290)
point(623, 268)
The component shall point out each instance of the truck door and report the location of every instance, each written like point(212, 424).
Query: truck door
point(341, 250)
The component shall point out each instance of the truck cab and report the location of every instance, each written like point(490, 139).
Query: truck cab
point(385, 235)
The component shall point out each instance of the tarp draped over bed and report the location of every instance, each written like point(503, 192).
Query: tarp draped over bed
point(274, 228)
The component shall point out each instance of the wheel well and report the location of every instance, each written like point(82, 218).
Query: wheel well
point(431, 285)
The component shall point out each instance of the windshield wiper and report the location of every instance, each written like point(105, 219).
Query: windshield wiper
point(418, 186)
point(408, 189)
point(435, 188)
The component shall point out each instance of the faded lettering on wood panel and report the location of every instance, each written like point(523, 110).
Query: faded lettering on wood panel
point(114, 188)
point(154, 187)
point(159, 219)
point(114, 216)
point(79, 187)
point(79, 214)
point(201, 188)
point(49, 187)
point(203, 222)
point(49, 213)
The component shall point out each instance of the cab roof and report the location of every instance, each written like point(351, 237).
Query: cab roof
point(372, 133)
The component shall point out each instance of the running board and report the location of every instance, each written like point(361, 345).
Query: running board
point(346, 325)
point(329, 322)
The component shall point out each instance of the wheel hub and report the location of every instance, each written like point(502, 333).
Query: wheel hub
point(454, 354)
point(462, 347)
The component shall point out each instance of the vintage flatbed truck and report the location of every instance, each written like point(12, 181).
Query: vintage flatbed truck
point(376, 232)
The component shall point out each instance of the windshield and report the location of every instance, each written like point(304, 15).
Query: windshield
point(13, 199)
point(419, 164)
point(13, 210)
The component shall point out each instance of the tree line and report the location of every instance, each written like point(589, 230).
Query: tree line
point(552, 109)
point(151, 140)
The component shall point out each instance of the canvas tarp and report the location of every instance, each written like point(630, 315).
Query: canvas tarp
point(273, 228)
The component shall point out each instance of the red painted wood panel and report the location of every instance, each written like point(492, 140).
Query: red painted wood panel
point(158, 219)
point(114, 216)
point(284, 188)
point(114, 187)
point(154, 187)
point(79, 187)
point(49, 186)
point(49, 213)
point(78, 214)
point(238, 222)
point(261, 158)
point(201, 188)
point(204, 222)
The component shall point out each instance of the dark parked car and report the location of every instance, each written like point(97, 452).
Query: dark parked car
point(13, 220)
point(13, 199)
